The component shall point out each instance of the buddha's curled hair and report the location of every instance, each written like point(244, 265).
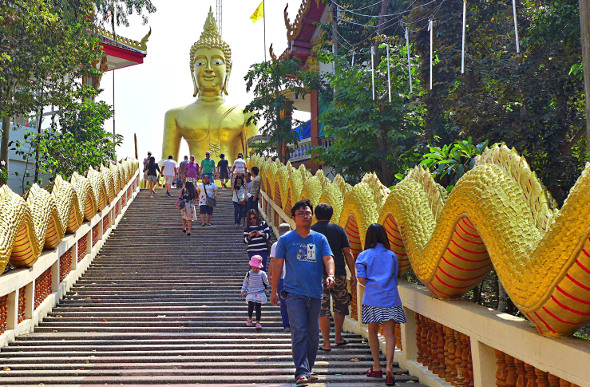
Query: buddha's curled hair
point(210, 38)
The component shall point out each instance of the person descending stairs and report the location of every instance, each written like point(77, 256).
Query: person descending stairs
point(158, 307)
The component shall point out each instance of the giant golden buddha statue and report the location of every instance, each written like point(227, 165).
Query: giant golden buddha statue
point(208, 124)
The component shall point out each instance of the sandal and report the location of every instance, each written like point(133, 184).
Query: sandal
point(390, 380)
point(324, 349)
point(303, 380)
point(344, 342)
point(374, 374)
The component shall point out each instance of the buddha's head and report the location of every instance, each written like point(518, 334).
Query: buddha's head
point(210, 59)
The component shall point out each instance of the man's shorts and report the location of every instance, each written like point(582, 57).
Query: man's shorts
point(223, 174)
point(205, 210)
point(340, 297)
point(169, 179)
point(152, 178)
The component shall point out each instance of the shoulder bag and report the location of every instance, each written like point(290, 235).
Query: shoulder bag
point(180, 200)
point(211, 202)
point(241, 195)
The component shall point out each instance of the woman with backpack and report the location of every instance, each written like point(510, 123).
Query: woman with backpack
point(256, 236)
point(186, 203)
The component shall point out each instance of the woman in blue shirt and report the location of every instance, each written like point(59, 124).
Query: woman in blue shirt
point(377, 270)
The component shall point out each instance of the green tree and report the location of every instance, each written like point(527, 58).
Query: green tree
point(46, 47)
point(372, 135)
point(272, 82)
point(533, 101)
point(78, 142)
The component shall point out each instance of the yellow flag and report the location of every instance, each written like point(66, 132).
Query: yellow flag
point(259, 13)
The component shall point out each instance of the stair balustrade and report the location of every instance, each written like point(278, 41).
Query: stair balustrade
point(461, 343)
point(30, 293)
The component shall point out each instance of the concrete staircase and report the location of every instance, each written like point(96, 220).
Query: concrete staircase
point(160, 307)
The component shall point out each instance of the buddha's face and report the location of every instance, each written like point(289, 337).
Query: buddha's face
point(210, 71)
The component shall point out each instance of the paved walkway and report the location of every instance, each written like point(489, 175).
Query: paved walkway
point(158, 307)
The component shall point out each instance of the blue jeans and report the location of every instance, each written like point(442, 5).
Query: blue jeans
point(263, 254)
point(211, 175)
point(239, 212)
point(284, 314)
point(304, 313)
point(252, 203)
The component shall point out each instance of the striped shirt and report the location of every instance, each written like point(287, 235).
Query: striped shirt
point(254, 282)
point(257, 243)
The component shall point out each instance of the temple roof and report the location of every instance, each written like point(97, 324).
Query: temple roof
point(121, 51)
point(304, 29)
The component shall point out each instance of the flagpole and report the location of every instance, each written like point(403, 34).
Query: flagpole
point(264, 24)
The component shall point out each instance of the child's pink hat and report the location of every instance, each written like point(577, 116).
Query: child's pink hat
point(256, 261)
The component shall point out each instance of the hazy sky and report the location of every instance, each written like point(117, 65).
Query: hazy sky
point(144, 93)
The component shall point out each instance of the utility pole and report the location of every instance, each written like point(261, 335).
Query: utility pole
point(585, 32)
point(334, 25)
point(219, 11)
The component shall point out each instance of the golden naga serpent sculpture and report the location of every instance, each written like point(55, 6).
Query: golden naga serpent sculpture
point(40, 218)
point(499, 216)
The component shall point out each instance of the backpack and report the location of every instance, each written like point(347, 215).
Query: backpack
point(248, 276)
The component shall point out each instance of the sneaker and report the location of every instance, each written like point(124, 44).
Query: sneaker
point(168, 194)
point(188, 234)
point(258, 326)
point(249, 322)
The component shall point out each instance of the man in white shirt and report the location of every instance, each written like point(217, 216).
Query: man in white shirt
point(169, 172)
point(239, 167)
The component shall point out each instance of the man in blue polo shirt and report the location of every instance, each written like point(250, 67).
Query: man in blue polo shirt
point(305, 253)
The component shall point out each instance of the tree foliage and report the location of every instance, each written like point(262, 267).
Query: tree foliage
point(371, 135)
point(272, 82)
point(46, 48)
point(533, 101)
point(451, 161)
point(79, 143)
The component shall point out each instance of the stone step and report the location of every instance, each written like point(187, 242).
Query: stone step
point(258, 380)
point(267, 352)
point(133, 357)
point(35, 341)
point(172, 347)
point(183, 365)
